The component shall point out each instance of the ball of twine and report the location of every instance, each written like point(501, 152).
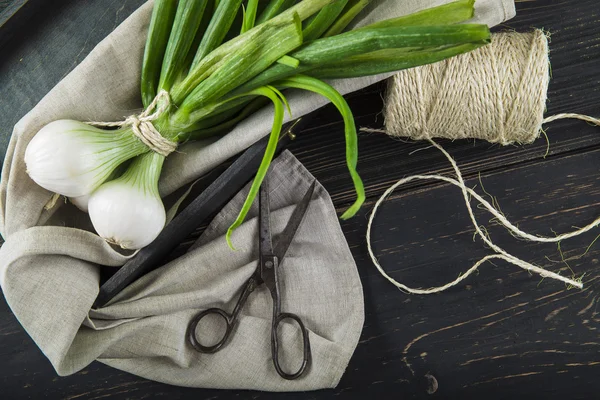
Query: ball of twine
point(496, 93)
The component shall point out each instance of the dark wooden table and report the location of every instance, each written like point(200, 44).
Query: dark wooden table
point(500, 334)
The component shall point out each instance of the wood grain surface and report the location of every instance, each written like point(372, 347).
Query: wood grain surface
point(502, 333)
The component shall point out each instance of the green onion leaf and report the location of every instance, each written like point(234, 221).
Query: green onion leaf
point(446, 14)
point(274, 8)
point(249, 16)
point(334, 49)
point(280, 36)
point(202, 69)
point(283, 100)
point(390, 60)
point(208, 12)
point(322, 88)
point(270, 93)
point(163, 15)
point(261, 37)
point(305, 8)
point(353, 8)
point(217, 29)
point(320, 22)
point(186, 24)
point(224, 122)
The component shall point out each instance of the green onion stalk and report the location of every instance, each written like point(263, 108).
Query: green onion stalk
point(209, 65)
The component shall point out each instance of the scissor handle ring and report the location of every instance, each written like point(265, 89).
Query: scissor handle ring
point(193, 339)
point(275, 346)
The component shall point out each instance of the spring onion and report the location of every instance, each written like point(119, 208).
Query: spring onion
point(128, 211)
point(73, 159)
point(210, 64)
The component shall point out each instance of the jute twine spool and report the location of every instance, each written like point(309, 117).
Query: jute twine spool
point(496, 93)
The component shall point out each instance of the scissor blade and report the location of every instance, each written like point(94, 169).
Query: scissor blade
point(288, 234)
point(264, 214)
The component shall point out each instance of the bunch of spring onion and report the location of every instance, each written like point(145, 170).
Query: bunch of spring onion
point(219, 61)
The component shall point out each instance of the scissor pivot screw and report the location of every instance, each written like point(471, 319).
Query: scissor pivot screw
point(269, 264)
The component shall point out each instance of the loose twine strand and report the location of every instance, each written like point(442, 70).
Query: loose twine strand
point(144, 129)
point(497, 93)
point(501, 254)
point(586, 118)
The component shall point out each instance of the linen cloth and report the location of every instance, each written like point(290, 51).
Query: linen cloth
point(50, 263)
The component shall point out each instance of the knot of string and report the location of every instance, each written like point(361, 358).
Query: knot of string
point(500, 253)
point(143, 128)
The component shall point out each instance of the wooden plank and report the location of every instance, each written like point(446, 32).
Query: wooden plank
point(14, 15)
point(8, 9)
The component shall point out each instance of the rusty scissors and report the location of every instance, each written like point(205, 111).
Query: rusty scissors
point(270, 260)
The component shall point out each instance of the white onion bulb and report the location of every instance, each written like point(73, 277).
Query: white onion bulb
point(72, 158)
point(128, 211)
